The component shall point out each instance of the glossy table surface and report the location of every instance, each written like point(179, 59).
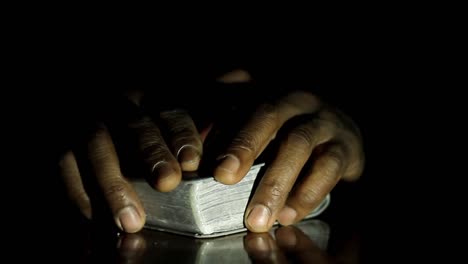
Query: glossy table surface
point(307, 241)
point(310, 241)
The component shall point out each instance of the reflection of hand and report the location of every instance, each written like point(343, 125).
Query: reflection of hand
point(165, 155)
point(131, 248)
point(308, 131)
point(291, 246)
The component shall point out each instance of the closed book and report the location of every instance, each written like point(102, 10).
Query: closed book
point(201, 206)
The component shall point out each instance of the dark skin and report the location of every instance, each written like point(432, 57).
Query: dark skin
point(324, 133)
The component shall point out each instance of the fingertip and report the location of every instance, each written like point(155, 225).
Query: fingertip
point(166, 176)
point(190, 165)
point(167, 185)
point(258, 220)
point(287, 216)
point(226, 171)
point(129, 220)
point(168, 182)
point(189, 158)
point(225, 177)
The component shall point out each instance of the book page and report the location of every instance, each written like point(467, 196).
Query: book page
point(222, 206)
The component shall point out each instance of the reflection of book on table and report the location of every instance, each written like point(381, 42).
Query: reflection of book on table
point(202, 207)
point(231, 249)
point(162, 246)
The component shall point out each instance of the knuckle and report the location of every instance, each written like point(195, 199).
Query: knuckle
point(334, 163)
point(268, 112)
point(275, 190)
point(189, 139)
point(182, 127)
point(245, 141)
point(153, 148)
point(301, 136)
point(152, 144)
point(150, 136)
point(100, 152)
point(117, 191)
point(325, 126)
point(156, 153)
point(267, 117)
point(252, 138)
point(309, 197)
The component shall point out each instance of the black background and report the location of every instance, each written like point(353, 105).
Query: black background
point(377, 81)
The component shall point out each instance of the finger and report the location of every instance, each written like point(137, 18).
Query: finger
point(165, 173)
point(262, 248)
point(258, 132)
point(356, 158)
point(299, 246)
point(74, 185)
point(279, 178)
point(327, 169)
point(127, 209)
point(351, 136)
point(185, 141)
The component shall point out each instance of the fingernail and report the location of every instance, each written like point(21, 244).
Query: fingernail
point(258, 218)
point(189, 158)
point(230, 163)
point(128, 219)
point(163, 174)
point(162, 169)
point(258, 244)
point(287, 216)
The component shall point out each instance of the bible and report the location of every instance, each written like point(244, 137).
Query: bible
point(202, 207)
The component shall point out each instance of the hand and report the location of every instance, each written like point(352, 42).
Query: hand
point(315, 140)
point(167, 143)
point(166, 147)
